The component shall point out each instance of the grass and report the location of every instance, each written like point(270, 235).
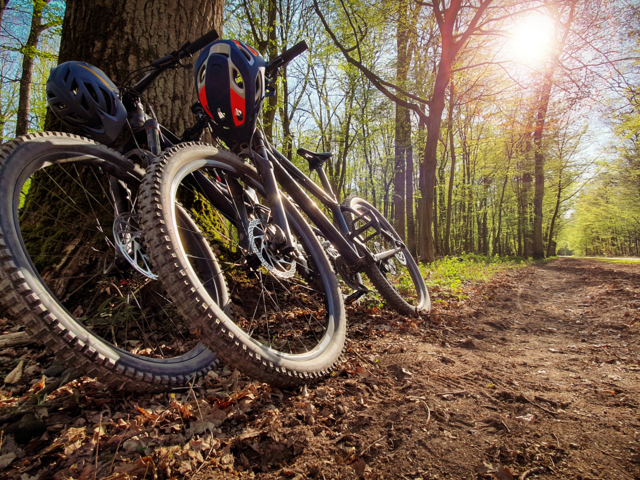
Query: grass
point(617, 260)
point(447, 276)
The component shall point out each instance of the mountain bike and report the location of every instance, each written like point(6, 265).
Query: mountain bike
point(286, 326)
point(73, 265)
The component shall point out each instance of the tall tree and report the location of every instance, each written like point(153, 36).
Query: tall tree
point(39, 23)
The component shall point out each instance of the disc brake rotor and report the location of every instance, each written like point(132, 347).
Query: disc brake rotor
point(128, 239)
point(279, 265)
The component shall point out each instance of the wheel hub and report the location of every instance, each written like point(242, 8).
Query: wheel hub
point(128, 240)
point(263, 243)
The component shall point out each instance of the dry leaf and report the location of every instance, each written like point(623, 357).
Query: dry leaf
point(15, 375)
point(5, 460)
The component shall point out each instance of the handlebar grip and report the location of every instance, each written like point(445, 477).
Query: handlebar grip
point(161, 61)
point(294, 51)
point(202, 42)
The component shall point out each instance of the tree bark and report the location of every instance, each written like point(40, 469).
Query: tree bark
point(538, 196)
point(272, 49)
point(403, 120)
point(555, 213)
point(447, 234)
point(136, 33)
point(28, 59)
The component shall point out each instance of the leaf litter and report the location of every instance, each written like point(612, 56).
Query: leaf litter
point(453, 395)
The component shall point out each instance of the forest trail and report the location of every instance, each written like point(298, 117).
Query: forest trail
point(534, 375)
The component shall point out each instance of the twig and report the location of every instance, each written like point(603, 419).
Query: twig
point(196, 399)
point(95, 472)
point(208, 454)
point(505, 426)
point(460, 392)
point(554, 436)
point(361, 357)
point(362, 452)
point(1, 439)
point(532, 471)
point(118, 447)
point(538, 406)
point(428, 411)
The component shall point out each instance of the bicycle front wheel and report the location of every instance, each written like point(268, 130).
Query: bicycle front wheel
point(287, 322)
point(397, 278)
point(73, 266)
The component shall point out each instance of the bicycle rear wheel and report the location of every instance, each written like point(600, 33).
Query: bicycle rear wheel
point(287, 323)
point(73, 266)
point(397, 278)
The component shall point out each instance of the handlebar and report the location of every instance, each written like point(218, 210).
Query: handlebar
point(286, 57)
point(202, 42)
point(168, 61)
point(186, 50)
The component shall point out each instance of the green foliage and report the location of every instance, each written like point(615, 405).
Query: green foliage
point(448, 276)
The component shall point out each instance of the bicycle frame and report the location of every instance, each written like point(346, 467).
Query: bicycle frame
point(291, 177)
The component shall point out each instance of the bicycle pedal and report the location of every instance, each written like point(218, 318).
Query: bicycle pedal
point(355, 296)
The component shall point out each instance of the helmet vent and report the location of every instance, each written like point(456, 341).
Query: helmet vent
point(246, 54)
point(74, 87)
point(201, 73)
point(50, 94)
point(221, 114)
point(61, 106)
point(66, 75)
point(107, 101)
point(237, 78)
point(91, 91)
point(258, 87)
point(84, 103)
point(239, 114)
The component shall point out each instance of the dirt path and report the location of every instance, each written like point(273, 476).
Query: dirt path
point(534, 376)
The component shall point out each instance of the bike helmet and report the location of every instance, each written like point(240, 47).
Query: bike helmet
point(231, 86)
point(84, 98)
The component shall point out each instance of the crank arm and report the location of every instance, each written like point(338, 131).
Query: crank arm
point(379, 257)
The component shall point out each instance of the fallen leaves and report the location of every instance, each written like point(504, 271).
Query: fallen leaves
point(15, 375)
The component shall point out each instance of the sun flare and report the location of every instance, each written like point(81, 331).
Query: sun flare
point(530, 38)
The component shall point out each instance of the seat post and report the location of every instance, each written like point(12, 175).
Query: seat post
point(325, 181)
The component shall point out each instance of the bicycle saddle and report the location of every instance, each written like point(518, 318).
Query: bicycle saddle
point(316, 160)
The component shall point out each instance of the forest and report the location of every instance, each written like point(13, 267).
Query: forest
point(502, 128)
point(501, 138)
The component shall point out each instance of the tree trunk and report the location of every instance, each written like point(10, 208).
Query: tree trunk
point(411, 224)
point(403, 142)
point(138, 32)
point(272, 49)
point(538, 196)
point(555, 213)
point(428, 167)
point(403, 119)
point(452, 150)
point(28, 60)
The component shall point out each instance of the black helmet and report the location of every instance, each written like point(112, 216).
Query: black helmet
point(84, 98)
point(231, 87)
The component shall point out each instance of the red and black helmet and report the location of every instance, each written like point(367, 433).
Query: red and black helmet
point(231, 87)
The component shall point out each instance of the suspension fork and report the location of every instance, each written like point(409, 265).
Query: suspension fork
point(267, 175)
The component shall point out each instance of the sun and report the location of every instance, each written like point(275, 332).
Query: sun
point(531, 38)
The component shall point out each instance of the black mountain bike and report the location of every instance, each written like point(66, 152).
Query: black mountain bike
point(287, 323)
point(73, 265)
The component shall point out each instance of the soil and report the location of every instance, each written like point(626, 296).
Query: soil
point(534, 375)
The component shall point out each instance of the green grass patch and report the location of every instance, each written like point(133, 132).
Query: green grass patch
point(617, 260)
point(447, 276)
